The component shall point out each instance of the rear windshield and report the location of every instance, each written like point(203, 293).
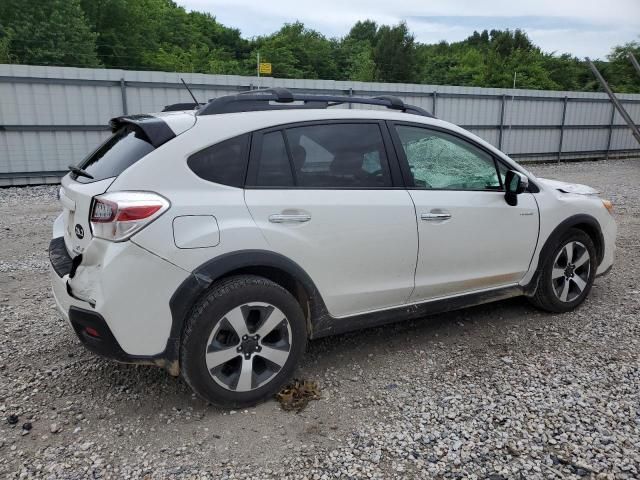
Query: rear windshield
point(124, 148)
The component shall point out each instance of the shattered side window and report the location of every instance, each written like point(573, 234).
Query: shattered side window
point(443, 162)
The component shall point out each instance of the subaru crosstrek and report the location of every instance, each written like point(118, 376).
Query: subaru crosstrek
point(216, 241)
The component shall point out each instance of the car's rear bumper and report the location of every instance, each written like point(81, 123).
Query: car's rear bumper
point(59, 269)
point(95, 334)
point(90, 327)
point(117, 299)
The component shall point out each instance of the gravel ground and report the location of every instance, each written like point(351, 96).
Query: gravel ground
point(496, 391)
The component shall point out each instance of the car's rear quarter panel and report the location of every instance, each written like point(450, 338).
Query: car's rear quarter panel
point(165, 171)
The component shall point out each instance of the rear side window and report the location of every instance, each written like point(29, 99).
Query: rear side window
point(335, 155)
point(339, 156)
point(124, 148)
point(223, 163)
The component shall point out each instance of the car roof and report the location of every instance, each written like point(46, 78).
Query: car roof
point(255, 120)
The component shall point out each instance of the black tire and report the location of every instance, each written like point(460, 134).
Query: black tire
point(545, 296)
point(219, 301)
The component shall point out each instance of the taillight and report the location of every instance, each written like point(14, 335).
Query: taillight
point(92, 332)
point(116, 216)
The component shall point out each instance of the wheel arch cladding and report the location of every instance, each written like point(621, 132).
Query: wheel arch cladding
point(584, 222)
point(595, 233)
point(271, 265)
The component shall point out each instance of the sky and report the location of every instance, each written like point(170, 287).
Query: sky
point(580, 27)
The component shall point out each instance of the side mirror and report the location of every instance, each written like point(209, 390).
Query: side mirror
point(514, 184)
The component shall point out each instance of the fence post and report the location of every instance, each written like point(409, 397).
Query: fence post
point(501, 133)
point(634, 62)
point(351, 95)
point(611, 120)
point(635, 131)
point(564, 116)
point(123, 92)
point(435, 102)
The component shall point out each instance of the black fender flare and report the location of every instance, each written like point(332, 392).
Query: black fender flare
point(583, 220)
point(192, 288)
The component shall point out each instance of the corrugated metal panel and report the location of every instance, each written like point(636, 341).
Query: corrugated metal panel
point(584, 139)
point(622, 139)
point(583, 113)
point(488, 135)
point(469, 111)
point(533, 112)
point(45, 151)
point(42, 104)
point(634, 112)
point(77, 102)
point(520, 141)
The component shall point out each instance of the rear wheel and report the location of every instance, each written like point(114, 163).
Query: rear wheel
point(242, 341)
point(567, 274)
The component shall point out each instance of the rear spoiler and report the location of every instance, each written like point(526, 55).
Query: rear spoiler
point(155, 129)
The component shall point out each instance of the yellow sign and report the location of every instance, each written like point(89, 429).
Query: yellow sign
point(265, 68)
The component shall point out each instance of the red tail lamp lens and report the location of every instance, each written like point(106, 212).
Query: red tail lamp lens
point(92, 332)
point(137, 212)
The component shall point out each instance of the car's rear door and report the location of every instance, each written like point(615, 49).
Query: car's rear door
point(327, 196)
point(470, 239)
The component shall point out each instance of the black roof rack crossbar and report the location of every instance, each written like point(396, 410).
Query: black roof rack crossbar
point(282, 98)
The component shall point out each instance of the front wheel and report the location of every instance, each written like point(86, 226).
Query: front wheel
point(242, 341)
point(567, 274)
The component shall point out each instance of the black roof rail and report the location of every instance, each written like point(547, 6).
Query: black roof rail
point(175, 107)
point(284, 99)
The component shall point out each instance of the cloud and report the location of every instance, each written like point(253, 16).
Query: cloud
point(580, 27)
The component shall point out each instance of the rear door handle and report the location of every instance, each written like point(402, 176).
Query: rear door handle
point(434, 217)
point(289, 218)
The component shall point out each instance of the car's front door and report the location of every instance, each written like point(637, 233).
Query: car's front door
point(326, 196)
point(469, 238)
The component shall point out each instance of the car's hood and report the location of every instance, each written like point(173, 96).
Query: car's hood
point(569, 187)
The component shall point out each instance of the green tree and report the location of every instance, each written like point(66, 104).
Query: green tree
point(619, 71)
point(394, 54)
point(364, 31)
point(158, 34)
point(361, 67)
point(126, 30)
point(298, 52)
point(490, 59)
point(48, 32)
point(567, 72)
point(355, 53)
point(5, 40)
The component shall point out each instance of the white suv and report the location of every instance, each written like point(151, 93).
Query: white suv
point(215, 242)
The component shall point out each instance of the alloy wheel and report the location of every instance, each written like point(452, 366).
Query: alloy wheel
point(571, 270)
point(248, 346)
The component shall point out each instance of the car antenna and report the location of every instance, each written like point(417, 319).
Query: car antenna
point(189, 90)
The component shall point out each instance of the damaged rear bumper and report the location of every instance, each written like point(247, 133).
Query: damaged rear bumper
point(112, 319)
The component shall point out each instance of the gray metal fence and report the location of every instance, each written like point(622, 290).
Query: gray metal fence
point(51, 117)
